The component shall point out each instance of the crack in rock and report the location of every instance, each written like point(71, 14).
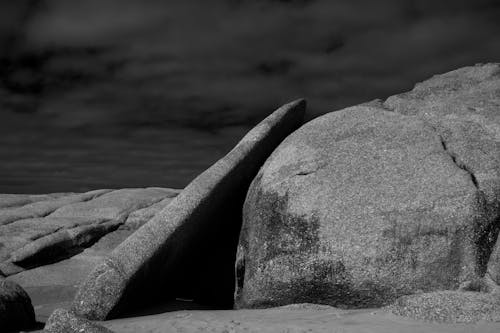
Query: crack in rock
point(487, 231)
point(309, 167)
point(458, 163)
point(305, 173)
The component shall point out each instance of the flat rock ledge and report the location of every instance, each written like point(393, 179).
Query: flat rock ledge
point(40, 229)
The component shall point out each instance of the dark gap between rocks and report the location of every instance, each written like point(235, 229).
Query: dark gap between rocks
point(486, 243)
point(203, 274)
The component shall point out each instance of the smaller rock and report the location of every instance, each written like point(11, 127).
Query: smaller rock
point(16, 310)
point(449, 307)
point(64, 321)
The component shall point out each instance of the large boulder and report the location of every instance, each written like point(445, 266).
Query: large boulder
point(366, 204)
point(16, 310)
point(188, 249)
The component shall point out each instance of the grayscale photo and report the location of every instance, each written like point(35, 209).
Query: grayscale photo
point(249, 166)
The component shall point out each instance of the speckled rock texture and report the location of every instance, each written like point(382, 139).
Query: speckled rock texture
point(64, 321)
point(39, 229)
point(366, 204)
point(493, 271)
point(449, 307)
point(188, 249)
point(16, 310)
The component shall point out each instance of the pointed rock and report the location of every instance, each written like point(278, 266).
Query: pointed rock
point(188, 249)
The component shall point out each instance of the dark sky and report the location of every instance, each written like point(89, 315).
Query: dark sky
point(114, 93)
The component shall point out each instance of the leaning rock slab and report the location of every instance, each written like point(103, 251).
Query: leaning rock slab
point(16, 310)
point(372, 202)
point(188, 249)
point(63, 321)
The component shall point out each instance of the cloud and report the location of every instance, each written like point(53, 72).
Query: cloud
point(91, 90)
point(221, 63)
